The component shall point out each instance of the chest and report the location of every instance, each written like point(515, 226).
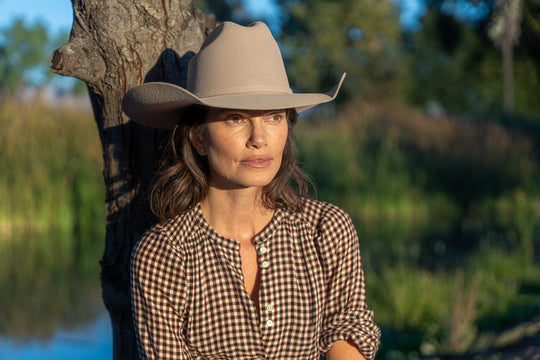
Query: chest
point(255, 300)
point(250, 271)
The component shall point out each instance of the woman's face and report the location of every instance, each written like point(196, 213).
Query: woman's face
point(244, 147)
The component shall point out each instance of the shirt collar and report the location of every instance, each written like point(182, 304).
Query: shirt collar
point(231, 244)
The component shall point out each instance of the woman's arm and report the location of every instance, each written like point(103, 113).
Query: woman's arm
point(344, 350)
point(347, 316)
point(158, 291)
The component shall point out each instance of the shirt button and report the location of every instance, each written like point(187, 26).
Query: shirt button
point(269, 323)
point(262, 250)
point(270, 308)
point(265, 264)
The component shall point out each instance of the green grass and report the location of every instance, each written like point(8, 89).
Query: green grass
point(52, 218)
point(50, 166)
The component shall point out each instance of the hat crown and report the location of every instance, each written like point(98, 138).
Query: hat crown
point(237, 59)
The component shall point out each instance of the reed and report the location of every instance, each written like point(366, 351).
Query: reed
point(50, 165)
point(52, 217)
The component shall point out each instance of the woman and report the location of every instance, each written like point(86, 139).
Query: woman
point(242, 266)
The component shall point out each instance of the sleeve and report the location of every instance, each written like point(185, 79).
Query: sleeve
point(158, 295)
point(346, 315)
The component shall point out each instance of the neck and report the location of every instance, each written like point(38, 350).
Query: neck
point(236, 214)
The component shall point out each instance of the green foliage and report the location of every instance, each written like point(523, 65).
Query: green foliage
point(50, 165)
point(421, 313)
point(454, 63)
point(52, 218)
point(322, 39)
point(225, 10)
point(24, 50)
point(448, 217)
point(413, 184)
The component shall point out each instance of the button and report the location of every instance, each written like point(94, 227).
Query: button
point(270, 308)
point(269, 323)
point(265, 264)
point(262, 250)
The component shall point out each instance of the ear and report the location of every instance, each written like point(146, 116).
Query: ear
point(197, 142)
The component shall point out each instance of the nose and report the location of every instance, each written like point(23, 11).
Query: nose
point(257, 138)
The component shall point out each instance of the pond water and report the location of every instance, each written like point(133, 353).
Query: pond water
point(50, 298)
point(91, 341)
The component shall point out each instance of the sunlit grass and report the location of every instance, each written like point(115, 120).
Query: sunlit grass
point(50, 162)
point(454, 311)
point(52, 217)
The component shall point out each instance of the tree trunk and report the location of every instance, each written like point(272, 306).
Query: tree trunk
point(115, 45)
point(508, 76)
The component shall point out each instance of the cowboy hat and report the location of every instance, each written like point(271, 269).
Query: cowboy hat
point(237, 67)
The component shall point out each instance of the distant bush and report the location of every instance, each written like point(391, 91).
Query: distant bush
point(425, 190)
point(448, 216)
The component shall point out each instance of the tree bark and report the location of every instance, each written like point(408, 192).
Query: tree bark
point(115, 45)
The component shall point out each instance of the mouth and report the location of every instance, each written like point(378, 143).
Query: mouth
point(257, 161)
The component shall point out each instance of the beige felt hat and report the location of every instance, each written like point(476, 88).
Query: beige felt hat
point(237, 67)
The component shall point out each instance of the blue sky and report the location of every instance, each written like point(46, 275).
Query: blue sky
point(57, 14)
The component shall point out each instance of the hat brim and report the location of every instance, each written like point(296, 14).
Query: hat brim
point(159, 104)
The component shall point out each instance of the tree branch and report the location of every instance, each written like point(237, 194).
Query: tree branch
point(75, 59)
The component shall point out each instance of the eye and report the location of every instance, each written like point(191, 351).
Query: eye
point(234, 118)
point(276, 118)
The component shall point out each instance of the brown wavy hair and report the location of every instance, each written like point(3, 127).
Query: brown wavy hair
point(184, 175)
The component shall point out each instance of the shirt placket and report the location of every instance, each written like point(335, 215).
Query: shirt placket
point(267, 303)
point(231, 251)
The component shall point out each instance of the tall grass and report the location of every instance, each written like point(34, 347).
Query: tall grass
point(52, 218)
point(50, 166)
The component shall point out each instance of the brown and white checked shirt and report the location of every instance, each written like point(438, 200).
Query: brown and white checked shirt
point(190, 302)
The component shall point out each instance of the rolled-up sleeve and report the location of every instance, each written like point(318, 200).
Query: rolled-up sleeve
point(346, 316)
point(157, 290)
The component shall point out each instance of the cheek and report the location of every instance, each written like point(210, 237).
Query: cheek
point(222, 147)
point(282, 141)
point(221, 154)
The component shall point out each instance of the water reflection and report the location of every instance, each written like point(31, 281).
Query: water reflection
point(50, 305)
point(93, 341)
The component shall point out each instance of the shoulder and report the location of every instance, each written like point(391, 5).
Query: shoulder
point(332, 229)
point(323, 215)
point(171, 236)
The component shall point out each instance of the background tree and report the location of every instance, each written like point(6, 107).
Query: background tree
point(454, 63)
point(225, 10)
point(22, 49)
point(322, 39)
point(114, 46)
point(504, 30)
point(445, 58)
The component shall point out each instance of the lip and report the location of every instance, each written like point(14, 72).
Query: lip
point(258, 162)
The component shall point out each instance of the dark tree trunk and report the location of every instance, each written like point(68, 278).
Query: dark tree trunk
point(508, 76)
point(115, 45)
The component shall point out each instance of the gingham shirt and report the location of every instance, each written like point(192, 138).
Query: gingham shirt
point(190, 302)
